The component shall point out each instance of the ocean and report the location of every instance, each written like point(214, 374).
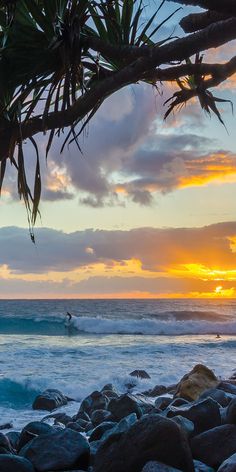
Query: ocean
point(106, 340)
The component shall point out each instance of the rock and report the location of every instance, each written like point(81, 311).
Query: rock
point(110, 394)
point(227, 387)
point(218, 395)
point(155, 466)
point(5, 445)
point(13, 437)
point(185, 424)
point(32, 430)
point(76, 427)
point(81, 415)
point(6, 426)
point(152, 438)
point(229, 465)
point(155, 391)
point(141, 374)
point(204, 414)
point(109, 387)
point(193, 384)
point(12, 463)
point(230, 416)
point(200, 467)
point(94, 445)
point(58, 450)
point(124, 406)
point(99, 416)
point(62, 418)
point(121, 427)
point(214, 446)
point(95, 401)
point(163, 402)
point(179, 402)
point(49, 400)
point(101, 429)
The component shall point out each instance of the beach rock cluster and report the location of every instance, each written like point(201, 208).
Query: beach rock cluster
point(190, 427)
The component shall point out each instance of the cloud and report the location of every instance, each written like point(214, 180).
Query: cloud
point(157, 250)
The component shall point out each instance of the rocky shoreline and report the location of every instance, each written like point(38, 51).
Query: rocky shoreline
point(186, 427)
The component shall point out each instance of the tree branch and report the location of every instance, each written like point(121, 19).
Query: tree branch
point(199, 21)
point(178, 50)
point(222, 6)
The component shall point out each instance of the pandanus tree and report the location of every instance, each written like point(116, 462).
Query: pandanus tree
point(60, 59)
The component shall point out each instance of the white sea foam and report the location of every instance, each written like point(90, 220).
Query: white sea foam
point(170, 327)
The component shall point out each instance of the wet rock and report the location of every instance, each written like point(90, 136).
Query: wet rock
point(49, 400)
point(155, 466)
point(229, 465)
point(5, 445)
point(6, 426)
point(110, 394)
point(99, 416)
point(120, 427)
point(13, 437)
point(140, 374)
point(214, 446)
point(152, 438)
point(204, 415)
point(81, 415)
point(193, 384)
point(101, 429)
point(13, 463)
point(95, 401)
point(62, 418)
point(163, 402)
point(94, 445)
point(32, 430)
point(58, 450)
point(185, 424)
point(155, 391)
point(216, 394)
point(179, 402)
point(227, 387)
point(200, 467)
point(124, 406)
point(230, 414)
point(76, 427)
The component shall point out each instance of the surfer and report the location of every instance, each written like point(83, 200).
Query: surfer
point(68, 320)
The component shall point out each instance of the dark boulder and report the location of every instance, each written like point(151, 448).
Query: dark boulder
point(152, 438)
point(230, 416)
point(124, 406)
point(13, 437)
point(179, 402)
point(200, 467)
point(32, 430)
point(155, 466)
point(204, 415)
point(229, 465)
point(49, 400)
point(218, 395)
point(185, 424)
point(5, 445)
point(59, 450)
point(101, 429)
point(120, 427)
point(214, 446)
point(76, 427)
point(155, 391)
point(163, 402)
point(140, 374)
point(99, 416)
point(12, 463)
point(95, 401)
point(227, 387)
point(61, 418)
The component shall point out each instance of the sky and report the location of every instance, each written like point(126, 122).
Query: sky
point(147, 211)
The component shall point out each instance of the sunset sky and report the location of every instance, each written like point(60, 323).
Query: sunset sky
point(148, 210)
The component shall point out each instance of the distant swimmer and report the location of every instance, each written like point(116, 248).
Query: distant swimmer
point(218, 336)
